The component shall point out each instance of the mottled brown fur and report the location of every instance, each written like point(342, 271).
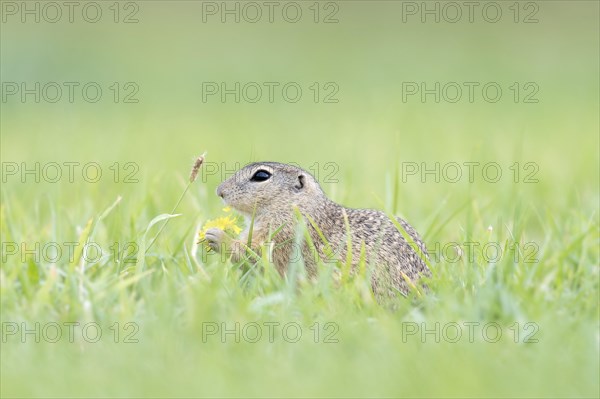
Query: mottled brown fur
point(273, 203)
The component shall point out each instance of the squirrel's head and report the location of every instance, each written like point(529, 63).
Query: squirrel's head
point(270, 187)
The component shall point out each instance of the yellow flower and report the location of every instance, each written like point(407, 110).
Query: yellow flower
point(225, 223)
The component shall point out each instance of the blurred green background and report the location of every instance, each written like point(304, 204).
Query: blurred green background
point(170, 52)
point(374, 47)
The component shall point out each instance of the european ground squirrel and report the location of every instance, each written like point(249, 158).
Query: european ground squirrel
point(272, 191)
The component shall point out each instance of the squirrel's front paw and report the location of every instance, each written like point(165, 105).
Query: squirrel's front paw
point(215, 238)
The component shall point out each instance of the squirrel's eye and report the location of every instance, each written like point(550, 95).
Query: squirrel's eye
point(260, 175)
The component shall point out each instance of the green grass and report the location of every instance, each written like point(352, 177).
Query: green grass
point(373, 353)
point(543, 289)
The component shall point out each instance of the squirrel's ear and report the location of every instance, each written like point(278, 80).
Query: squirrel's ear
point(300, 183)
